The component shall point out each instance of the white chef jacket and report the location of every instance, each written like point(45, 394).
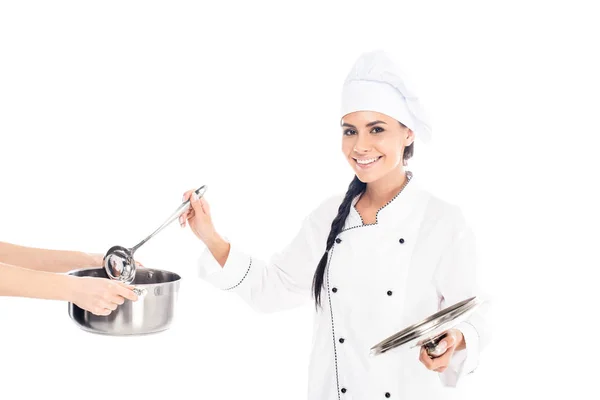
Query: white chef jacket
point(417, 258)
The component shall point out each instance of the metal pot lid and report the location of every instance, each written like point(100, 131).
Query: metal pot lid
point(429, 327)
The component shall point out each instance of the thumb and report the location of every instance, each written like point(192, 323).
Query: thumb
point(448, 341)
point(441, 347)
point(196, 203)
point(205, 205)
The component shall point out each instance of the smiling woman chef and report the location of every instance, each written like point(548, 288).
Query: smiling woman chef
point(384, 255)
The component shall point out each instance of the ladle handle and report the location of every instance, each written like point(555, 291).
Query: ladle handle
point(182, 208)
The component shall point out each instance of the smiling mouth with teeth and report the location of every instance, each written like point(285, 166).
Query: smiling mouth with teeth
point(367, 161)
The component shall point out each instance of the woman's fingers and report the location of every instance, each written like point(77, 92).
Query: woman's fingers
point(103, 309)
point(126, 291)
point(205, 206)
point(200, 206)
point(116, 299)
point(187, 214)
point(425, 359)
point(109, 305)
point(438, 364)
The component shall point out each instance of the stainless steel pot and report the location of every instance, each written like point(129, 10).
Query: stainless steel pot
point(152, 312)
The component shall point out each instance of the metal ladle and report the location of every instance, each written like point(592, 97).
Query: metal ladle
point(118, 261)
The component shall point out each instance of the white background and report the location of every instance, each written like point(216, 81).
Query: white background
point(110, 110)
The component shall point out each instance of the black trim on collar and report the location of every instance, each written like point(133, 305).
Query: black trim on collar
point(409, 176)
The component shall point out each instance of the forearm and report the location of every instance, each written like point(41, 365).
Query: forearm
point(219, 248)
point(46, 260)
point(22, 282)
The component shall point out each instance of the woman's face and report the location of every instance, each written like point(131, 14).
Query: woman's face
point(373, 144)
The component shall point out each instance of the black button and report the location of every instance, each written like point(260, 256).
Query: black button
point(389, 292)
point(401, 240)
point(387, 394)
point(343, 390)
point(334, 290)
point(342, 340)
point(338, 240)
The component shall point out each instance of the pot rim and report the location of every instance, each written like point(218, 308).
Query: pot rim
point(174, 281)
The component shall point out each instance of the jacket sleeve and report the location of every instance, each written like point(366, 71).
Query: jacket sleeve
point(282, 283)
point(456, 280)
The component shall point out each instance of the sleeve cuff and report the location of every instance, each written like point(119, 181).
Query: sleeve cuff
point(463, 361)
point(471, 352)
point(231, 275)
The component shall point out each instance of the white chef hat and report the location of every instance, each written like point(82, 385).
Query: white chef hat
point(376, 83)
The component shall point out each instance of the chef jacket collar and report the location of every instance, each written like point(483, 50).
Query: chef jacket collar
point(398, 208)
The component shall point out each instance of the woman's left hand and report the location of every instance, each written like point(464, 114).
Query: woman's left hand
point(452, 342)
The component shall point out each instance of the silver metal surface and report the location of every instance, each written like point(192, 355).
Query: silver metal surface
point(154, 310)
point(428, 331)
point(118, 260)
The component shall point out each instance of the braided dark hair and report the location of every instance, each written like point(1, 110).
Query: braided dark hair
point(356, 187)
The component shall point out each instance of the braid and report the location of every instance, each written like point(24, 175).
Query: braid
point(356, 187)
